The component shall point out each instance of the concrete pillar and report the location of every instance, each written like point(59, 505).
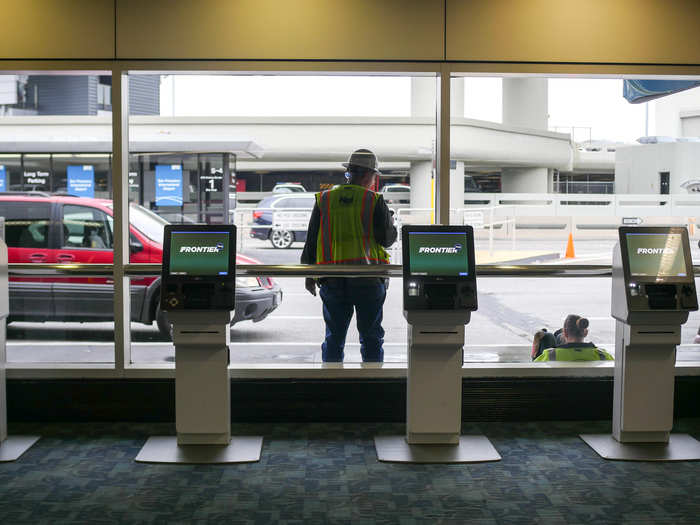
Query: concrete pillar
point(457, 186)
point(525, 180)
point(423, 97)
point(457, 173)
point(525, 105)
point(457, 97)
point(525, 102)
point(420, 174)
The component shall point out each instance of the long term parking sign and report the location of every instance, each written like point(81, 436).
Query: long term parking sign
point(169, 185)
point(81, 181)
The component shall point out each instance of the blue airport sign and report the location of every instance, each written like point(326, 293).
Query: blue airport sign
point(81, 181)
point(3, 178)
point(169, 185)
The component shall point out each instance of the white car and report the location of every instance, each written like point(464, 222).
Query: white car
point(289, 187)
point(396, 194)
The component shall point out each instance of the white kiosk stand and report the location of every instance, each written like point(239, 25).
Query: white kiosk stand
point(439, 296)
point(11, 447)
point(198, 291)
point(653, 289)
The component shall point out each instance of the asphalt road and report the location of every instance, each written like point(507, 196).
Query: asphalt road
point(510, 311)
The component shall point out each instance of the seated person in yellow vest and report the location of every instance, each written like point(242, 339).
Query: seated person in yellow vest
point(575, 330)
point(351, 224)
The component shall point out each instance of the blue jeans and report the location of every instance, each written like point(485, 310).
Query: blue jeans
point(339, 297)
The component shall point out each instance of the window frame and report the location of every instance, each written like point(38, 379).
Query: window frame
point(122, 270)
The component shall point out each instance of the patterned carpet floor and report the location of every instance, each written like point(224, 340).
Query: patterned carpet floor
point(329, 473)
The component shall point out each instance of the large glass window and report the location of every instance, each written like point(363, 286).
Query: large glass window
point(50, 200)
point(286, 138)
point(546, 170)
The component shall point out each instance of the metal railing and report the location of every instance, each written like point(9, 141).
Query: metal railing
point(310, 270)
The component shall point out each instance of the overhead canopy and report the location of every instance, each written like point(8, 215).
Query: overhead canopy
point(638, 91)
point(246, 149)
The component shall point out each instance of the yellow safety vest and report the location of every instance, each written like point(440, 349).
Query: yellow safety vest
point(578, 353)
point(346, 231)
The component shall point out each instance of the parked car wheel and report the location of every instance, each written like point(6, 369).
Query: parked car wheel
point(281, 238)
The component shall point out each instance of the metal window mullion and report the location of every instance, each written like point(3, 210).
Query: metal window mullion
point(120, 197)
point(442, 150)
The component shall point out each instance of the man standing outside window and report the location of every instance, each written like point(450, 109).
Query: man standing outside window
point(351, 224)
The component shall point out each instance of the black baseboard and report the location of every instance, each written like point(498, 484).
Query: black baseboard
point(381, 400)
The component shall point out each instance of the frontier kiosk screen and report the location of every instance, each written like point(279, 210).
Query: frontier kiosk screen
point(657, 256)
point(199, 267)
point(199, 253)
point(438, 253)
point(439, 268)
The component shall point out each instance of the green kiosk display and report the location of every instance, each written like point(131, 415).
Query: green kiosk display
point(439, 294)
point(198, 292)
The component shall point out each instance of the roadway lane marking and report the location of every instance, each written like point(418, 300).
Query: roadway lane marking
point(587, 257)
point(56, 343)
point(294, 317)
point(313, 343)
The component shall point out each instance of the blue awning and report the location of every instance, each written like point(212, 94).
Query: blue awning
point(638, 91)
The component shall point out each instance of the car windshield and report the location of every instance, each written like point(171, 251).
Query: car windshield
point(147, 222)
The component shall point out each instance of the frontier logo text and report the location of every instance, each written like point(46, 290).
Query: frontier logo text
point(655, 251)
point(441, 249)
point(202, 249)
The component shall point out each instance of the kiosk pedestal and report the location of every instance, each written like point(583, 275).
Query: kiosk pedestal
point(201, 339)
point(435, 354)
point(11, 447)
point(202, 397)
point(649, 313)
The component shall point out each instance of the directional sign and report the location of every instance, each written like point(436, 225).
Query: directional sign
point(169, 185)
point(36, 180)
point(213, 181)
point(81, 181)
point(291, 220)
point(3, 178)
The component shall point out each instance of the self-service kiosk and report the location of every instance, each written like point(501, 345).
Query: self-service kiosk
point(653, 289)
point(198, 292)
point(439, 294)
point(11, 447)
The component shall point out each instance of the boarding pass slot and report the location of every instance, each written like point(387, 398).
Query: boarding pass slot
point(662, 335)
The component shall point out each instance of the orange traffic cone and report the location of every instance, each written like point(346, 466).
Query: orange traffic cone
point(570, 247)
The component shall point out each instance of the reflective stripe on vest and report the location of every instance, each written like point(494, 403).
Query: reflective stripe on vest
point(366, 215)
point(325, 227)
point(346, 227)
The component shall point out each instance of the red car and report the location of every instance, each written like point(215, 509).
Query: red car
point(42, 228)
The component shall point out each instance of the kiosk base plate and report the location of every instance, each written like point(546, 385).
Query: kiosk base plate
point(164, 449)
point(471, 449)
point(680, 447)
point(14, 446)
